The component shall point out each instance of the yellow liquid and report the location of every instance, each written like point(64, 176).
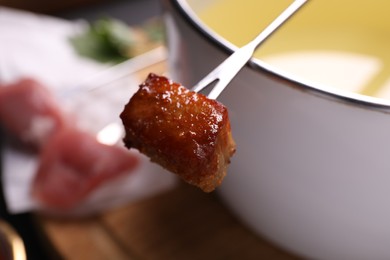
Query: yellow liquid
point(338, 43)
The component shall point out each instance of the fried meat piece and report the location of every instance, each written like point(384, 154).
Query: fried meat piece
point(183, 131)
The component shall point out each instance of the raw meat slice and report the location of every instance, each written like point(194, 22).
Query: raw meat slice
point(29, 112)
point(73, 164)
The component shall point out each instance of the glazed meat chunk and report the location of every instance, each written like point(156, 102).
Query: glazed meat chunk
point(183, 131)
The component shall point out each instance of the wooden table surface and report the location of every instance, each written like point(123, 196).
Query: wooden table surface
point(182, 223)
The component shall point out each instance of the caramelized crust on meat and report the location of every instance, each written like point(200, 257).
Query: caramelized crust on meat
point(183, 131)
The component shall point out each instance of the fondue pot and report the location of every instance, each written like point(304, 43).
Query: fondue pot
point(312, 167)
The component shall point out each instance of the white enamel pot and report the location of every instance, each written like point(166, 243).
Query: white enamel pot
point(312, 167)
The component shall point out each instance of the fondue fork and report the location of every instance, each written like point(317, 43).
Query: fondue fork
point(228, 69)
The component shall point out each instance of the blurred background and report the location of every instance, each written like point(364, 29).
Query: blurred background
point(130, 11)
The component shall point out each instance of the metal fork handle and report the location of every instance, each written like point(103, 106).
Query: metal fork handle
point(228, 69)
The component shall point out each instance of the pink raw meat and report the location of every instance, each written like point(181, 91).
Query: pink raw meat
point(29, 111)
point(73, 163)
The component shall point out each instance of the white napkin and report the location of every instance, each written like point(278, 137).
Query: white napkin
point(37, 46)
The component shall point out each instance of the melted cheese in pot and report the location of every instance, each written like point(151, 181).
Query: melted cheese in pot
point(339, 44)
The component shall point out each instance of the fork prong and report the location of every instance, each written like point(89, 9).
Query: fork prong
point(204, 83)
point(216, 91)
